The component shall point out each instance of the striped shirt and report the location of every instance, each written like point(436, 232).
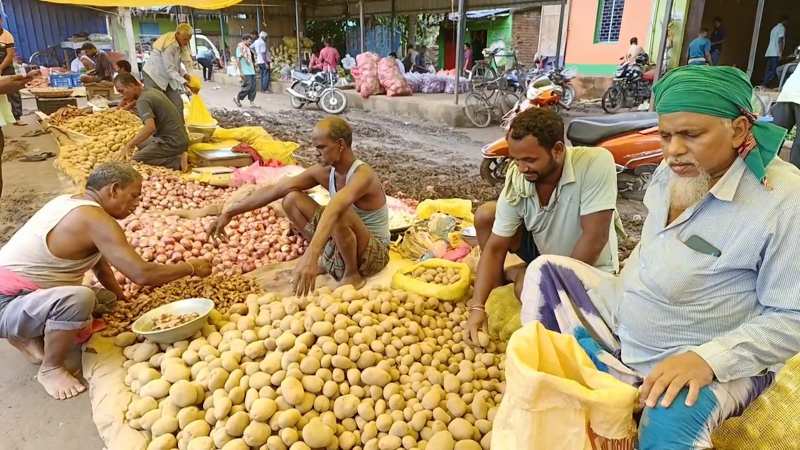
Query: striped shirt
point(739, 310)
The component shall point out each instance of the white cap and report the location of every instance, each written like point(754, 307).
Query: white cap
point(263, 34)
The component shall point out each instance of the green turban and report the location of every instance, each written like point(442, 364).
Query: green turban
point(720, 91)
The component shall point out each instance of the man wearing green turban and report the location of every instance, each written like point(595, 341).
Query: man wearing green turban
point(706, 307)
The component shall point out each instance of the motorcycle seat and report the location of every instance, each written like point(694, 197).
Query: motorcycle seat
point(301, 76)
point(594, 129)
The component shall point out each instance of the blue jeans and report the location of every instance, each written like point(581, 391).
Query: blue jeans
point(771, 71)
point(248, 88)
point(265, 76)
point(716, 54)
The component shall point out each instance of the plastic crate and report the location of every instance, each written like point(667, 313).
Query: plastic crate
point(65, 80)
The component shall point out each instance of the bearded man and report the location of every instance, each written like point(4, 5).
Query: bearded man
point(706, 308)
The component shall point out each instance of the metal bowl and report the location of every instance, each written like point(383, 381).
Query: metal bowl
point(144, 324)
point(206, 130)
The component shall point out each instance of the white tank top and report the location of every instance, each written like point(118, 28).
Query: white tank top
point(27, 253)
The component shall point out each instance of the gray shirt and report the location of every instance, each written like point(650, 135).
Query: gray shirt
point(164, 67)
point(154, 104)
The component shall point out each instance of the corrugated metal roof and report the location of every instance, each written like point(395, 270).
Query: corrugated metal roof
point(36, 25)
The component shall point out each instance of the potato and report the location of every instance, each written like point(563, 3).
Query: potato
point(164, 425)
point(442, 440)
point(292, 390)
point(316, 434)
point(149, 418)
point(217, 379)
point(236, 424)
point(256, 434)
point(163, 442)
point(460, 429)
point(143, 405)
point(144, 351)
point(374, 376)
point(156, 389)
point(235, 444)
point(255, 350)
point(299, 446)
point(389, 442)
point(345, 406)
point(183, 394)
point(201, 443)
point(467, 444)
point(124, 339)
point(263, 409)
point(188, 415)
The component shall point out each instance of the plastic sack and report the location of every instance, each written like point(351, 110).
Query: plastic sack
point(441, 225)
point(198, 113)
point(368, 81)
point(556, 399)
point(220, 179)
point(194, 83)
point(769, 422)
point(455, 207)
point(258, 138)
point(455, 291)
point(261, 175)
point(391, 79)
point(503, 312)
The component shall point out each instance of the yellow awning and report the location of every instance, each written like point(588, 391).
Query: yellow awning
point(199, 4)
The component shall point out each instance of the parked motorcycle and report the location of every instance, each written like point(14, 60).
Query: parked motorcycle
point(632, 139)
point(560, 76)
point(541, 93)
point(317, 88)
point(631, 86)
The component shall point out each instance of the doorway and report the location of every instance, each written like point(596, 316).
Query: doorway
point(479, 40)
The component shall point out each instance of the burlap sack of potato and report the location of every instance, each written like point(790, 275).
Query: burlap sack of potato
point(503, 311)
point(556, 399)
point(771, 421)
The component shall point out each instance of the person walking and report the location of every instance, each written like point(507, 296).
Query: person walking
point(777, 43)
point(786, 112)
point(469, 60)
point(260, 48)
point(700, 49)
point(717, 39)
point(163, 69)
point(205, 57)
point(247, 69)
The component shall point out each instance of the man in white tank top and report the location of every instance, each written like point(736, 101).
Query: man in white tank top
point(43, 305)
point(350, 236)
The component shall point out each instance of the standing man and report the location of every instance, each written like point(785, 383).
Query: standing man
point(205, 57)
point(162, 140)
point(410, 58)
point(786, 112)
point(469, 60)
point(43, 304)
point(247, 69)
point(163, 69)
point(700, 49)
point(261, 49)
point(329, 57)
point(420, 65)
point(557, 200)
point(103, 67)
point(717, 39)
point(7, 55)
point(777, 43)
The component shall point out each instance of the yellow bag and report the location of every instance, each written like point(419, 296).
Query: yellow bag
point(455, 207)
point(258, 138)
point(771, 421)
point(555, 398)
point(503, 312)
point(211, 146)
point(198, 113)
point(194, 83)
point(455, 291)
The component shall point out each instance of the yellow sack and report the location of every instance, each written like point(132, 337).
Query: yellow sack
point(771, 421)
point(503, 312)
point(455, 207)
point(555, 398)
point(198, 113)
point(258, 138)
point(194, 83)
point(456, 291)
point(220, 179)
point(211, 146)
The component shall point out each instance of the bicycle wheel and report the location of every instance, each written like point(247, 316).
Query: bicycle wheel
point(481, 73)
point(478, 110)
point(507, 100)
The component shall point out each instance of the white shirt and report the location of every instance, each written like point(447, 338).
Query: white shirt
point(76, 65)
point(260, 49)
point(791, 88)
point(778, 32)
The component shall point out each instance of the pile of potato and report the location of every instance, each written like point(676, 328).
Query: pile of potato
point(113, 124)
point(437, 275)
point(345, 369)
point(223, 290)
point(67, 113)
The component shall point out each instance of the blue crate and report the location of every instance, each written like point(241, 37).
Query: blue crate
point(65, 80)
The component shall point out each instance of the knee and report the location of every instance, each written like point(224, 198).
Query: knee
point(679, 426)
point(78, 303)
point(290, 201)
point(484, 216)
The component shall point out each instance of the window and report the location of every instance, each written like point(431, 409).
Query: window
point(609, 20)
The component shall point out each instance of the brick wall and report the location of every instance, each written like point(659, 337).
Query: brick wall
point(525, 32)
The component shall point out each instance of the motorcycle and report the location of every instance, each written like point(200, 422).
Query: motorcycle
point(632, 139)
point(561, 77)
point(317, 88)
point(631, 86)
point(541, 93)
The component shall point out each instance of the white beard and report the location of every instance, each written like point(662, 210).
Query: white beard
point(685, 192)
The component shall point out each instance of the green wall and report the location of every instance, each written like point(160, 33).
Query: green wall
point(498, 29)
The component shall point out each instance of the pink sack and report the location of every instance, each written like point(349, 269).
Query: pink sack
point(262, 175)
point(369, 84)
point(391, 78)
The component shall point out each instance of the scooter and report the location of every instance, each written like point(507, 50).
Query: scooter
point(632, 138)
point(316, 88)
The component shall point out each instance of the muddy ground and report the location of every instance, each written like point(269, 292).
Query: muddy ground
point(417, 161)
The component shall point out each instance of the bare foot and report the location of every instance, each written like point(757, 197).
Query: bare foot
point(59, 383)
point(33, 349)
point(357, 281)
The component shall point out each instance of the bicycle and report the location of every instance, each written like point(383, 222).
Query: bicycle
point(481, 106)
point(484, 72)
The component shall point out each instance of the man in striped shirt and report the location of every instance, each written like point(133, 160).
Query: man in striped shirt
point(706, 309)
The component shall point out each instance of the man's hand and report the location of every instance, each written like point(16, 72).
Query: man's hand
point(475, 323)
point(306, 278)
point(202, 267)
point(671, 375)
point(216, 232)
